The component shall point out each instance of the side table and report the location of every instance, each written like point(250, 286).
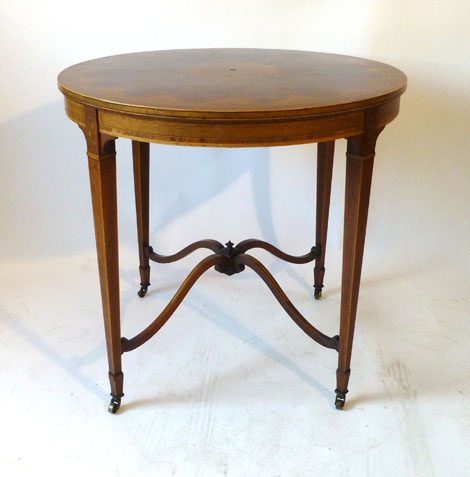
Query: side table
point(230, 98)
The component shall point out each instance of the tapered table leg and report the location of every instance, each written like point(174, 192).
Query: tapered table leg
point(325, 153)
point(359, 164)
point(141, 156)
point(102, 167)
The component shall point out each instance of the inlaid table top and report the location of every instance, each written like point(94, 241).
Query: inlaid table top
point(231, 81)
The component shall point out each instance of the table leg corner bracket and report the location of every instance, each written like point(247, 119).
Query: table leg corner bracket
point(229, 260)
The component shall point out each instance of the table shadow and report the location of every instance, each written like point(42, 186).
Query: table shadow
point(70, 365)
point(225, 321)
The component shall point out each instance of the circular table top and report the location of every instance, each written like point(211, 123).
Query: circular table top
point(228, 82)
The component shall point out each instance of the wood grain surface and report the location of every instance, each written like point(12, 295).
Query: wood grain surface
point(230, 80)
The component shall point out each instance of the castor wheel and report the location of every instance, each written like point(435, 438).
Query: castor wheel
point(142, 291)
point(340, 400)
point(114, 405)
point(318, 292)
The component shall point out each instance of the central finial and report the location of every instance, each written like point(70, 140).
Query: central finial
point(229, 268)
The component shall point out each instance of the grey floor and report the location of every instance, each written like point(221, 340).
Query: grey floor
point(230, 386)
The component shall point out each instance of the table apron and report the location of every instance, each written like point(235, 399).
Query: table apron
point(233, 133)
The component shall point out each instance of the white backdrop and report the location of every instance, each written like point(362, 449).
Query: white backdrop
point(420, 191)
point(418, 227)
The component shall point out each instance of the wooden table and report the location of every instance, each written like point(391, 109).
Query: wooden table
point(230, 98)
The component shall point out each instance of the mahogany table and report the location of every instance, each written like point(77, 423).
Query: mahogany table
point(230, 98)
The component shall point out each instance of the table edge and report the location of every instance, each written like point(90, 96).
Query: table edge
point(232, 114)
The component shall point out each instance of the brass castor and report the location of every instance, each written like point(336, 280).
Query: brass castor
point(142, 292)
point(340, 400)
point(318, 292)
point(114, 405)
